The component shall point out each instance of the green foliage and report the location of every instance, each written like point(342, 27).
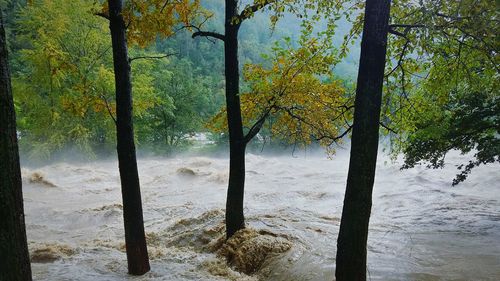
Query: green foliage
point(466, 123)
point(64, 84)
point(64, 89)
point(188, 100)
point(440, 53)
point(296, 94)
point(443, 81)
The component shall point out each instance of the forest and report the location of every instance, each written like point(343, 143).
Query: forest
point(250, 140)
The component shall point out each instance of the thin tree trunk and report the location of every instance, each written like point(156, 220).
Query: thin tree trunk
point(353, 235)
point(235, 219)
point(135, 241)
point(14, 255)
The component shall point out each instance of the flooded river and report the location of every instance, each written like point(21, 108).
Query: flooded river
point(421, 227)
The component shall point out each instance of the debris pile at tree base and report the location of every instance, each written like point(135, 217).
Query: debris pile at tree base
point(248, 249)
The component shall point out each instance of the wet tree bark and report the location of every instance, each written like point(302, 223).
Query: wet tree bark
point(235, 219)
point(353, 235)
point(14, 255)
point(135, 241)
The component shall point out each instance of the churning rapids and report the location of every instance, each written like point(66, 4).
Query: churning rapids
point(421, 227)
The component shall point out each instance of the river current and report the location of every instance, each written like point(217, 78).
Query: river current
point(421, 228)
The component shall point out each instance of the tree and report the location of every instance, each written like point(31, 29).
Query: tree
point(187, 98)
point(14, 254)
point(63, 85)
point(441, 91)
point(353, 234)
point(146, 19)
point(234, 205)
point(135, 239)
point(294, 90)
point(62, 64)
point(238, 139)
point(442, 85)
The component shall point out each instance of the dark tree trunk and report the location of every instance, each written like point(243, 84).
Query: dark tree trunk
point(14, 256)
point(135, 241)
point(237, 145)
point(351, 243)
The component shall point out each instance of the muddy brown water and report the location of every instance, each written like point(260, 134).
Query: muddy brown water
point(421, 227)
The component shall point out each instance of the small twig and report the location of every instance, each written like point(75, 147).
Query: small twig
point(108, 108)
point(164, 6)
point(388, 128)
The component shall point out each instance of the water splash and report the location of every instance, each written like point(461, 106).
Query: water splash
point(421, 228)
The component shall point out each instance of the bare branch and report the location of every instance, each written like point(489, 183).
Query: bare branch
point(256, 127)
point(102, 15)
point(397, 33)
point(209, 34)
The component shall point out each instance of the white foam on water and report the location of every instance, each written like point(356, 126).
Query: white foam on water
point(421, 227)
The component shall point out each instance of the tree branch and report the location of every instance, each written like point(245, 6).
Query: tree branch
point(209, 34)
point(108, 108)
point(388, 128)
point(336, 138)
point(102, 15)
point(407, 25)
point(152, 57)
point(397, 33)
point(249, 10)
point(256, 127)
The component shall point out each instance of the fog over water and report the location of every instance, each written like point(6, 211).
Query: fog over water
point(421, 227)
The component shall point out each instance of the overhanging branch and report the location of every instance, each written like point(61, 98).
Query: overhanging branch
point(209, 34)
point(256, 127)
point(335, 139)
point(249, 10)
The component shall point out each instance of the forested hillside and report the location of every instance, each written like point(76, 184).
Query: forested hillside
point(62, 81)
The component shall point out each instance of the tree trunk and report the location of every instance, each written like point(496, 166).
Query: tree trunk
point(353, 235)
point(235, 219)
point(135, 241)
point(14, 255)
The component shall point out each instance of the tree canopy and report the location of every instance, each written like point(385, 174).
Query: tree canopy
point(443, 82)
